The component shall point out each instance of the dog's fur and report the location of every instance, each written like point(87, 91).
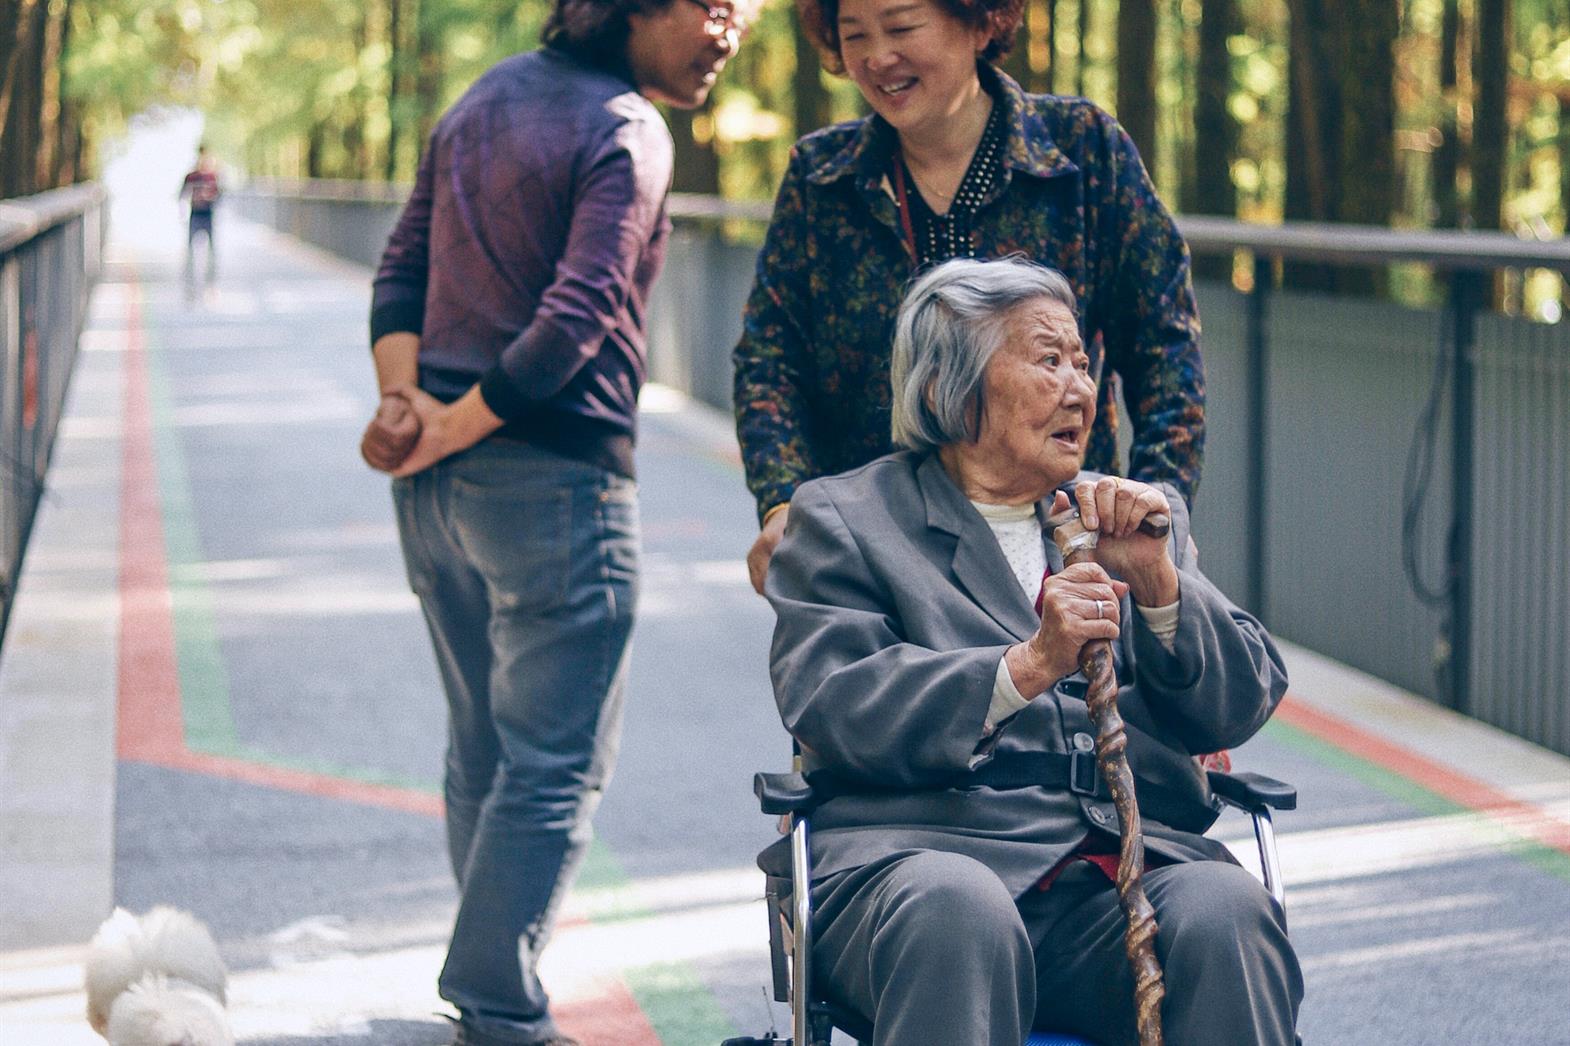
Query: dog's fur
point(156, 980)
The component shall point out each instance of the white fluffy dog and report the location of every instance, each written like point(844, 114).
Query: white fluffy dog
point(156, 980)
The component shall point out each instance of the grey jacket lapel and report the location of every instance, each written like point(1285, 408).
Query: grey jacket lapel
point(978, 565)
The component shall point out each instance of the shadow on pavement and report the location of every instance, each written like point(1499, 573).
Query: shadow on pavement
point(376, 1033)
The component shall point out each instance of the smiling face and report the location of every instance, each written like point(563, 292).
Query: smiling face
point(913, 61)
point(675, 53)
point(1038, 404)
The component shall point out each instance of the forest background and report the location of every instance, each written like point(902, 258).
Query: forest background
point(1402, 113)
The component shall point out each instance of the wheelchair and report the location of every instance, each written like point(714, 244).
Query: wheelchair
point(814, 1017)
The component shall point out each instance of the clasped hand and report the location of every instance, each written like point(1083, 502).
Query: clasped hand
point(408, 433)
point(1084, 601)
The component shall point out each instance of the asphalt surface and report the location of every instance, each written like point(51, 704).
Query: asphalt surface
point(293, 807)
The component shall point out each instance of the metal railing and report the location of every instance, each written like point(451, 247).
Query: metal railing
point(51, 248)
point(1454, 346)
point(1384, 484)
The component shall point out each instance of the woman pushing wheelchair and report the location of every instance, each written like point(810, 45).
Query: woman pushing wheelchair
point(928, 637)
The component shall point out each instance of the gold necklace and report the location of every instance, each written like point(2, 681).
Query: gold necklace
point(928, 188)
point(949, 196)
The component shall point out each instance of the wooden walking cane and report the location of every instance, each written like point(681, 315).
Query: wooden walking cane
point(1078, 545)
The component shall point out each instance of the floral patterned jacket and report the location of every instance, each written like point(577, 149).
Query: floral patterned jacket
point(812, 367)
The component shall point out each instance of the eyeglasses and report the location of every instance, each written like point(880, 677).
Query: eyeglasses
point(722, 20)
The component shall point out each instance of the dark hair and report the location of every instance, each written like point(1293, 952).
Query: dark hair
point(1000, 18)
point(594, 29)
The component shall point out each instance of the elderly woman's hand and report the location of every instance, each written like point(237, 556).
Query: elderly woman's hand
point(1116, 507)
point(1078, 604)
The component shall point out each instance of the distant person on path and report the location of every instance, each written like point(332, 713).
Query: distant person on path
point(508, 315)
point(201, 187)
point(954, 161)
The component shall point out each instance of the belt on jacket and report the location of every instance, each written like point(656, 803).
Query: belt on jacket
point(1006, 770)
point(1074, 771)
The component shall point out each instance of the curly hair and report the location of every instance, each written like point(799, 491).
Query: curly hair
point(594, 28)
point(1000, 18)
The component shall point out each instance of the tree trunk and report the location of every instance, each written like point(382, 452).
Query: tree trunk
point(10, 20)
point(356, 143)
point(810, 98)
point(20, 137)
point(1036, 46)
point(1490, 129)
point(1341, 125)
point(1447, 157)
point(1366, 173)
point(1564, 163)
point(16, 19)
point(1313, 115)
point(697, 164)
point(1051, 85)
point(395, 87)
point(1084, 40)
point(1215, 131)
point(314, 147)
point(1564, 194)
point(1136, 97)
point(428, 69)
point(52, 158)
point(68, 151)
point(1313, 131)
point(1017, 62)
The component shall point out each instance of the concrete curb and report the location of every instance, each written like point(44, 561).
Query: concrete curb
point(1519, 768)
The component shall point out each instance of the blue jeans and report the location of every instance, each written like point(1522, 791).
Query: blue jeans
point(526, 565)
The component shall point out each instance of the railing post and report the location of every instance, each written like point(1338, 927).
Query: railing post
point(1258, 391)
point(1466, 292)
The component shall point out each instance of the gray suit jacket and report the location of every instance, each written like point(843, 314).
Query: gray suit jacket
point(895, 604)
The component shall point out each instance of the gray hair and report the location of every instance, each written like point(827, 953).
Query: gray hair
point(948, 329)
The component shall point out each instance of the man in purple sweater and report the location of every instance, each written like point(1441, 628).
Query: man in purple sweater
point(509, 313)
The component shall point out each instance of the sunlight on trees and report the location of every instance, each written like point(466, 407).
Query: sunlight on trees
point(1413, 113)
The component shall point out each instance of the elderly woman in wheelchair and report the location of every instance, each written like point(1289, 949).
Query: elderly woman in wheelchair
point(961, 856)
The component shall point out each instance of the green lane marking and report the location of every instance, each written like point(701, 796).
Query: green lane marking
point(204, 683)
point(678, 1004)
point(681, 1008)
point(671, 995)
point(1425, 802)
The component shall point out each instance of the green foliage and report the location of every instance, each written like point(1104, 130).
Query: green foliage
point(130, 55)
point(298, 87)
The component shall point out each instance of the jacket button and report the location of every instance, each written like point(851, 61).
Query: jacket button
point(1098, 815)
point(1083, 742)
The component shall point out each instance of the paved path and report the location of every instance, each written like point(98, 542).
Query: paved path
point(216, 673)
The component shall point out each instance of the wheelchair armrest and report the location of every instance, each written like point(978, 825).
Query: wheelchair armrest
point(1248, 791)
point(784, 793)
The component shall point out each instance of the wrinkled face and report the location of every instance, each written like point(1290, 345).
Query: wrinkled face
point(1039, 398)
point(913, 61)
point(676, 53)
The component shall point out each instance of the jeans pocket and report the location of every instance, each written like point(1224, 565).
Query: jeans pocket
point(518, 538)
point(619, 530)
point(416, 557)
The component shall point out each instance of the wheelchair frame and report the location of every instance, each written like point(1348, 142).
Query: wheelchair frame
point(813, 1019)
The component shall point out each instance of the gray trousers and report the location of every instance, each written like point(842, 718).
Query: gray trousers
point(931, 948)
point(526, 565)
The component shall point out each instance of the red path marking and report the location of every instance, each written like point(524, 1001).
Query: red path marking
point(150, 728)
point(1420, 770)
point(611, 1016)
